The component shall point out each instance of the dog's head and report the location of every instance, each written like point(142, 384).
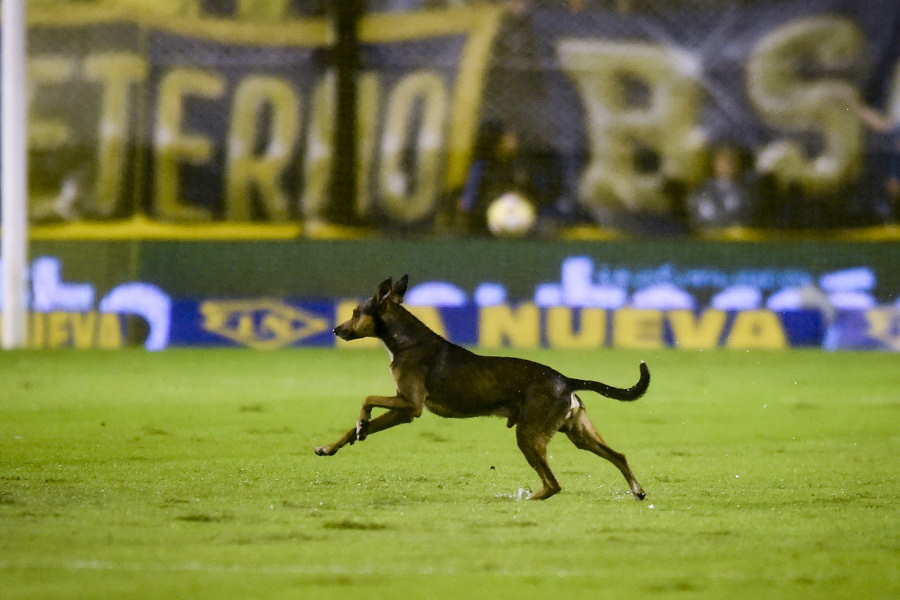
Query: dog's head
point(367, 317)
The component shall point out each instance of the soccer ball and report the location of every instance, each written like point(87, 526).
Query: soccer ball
point(510, 215)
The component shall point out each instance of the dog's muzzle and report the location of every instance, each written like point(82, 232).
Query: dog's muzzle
point(343, 334)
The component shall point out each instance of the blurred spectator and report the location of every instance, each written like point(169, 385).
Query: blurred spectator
point(890, 130)
point(727, 198)
point(498, 166)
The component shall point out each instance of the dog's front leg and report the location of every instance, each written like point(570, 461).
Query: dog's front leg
point(347, 438)
point(365, 412)
point(389, 419)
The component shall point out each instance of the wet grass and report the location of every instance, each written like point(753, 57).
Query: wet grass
point(190, 474)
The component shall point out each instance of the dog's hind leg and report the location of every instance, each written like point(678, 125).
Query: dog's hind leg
point(583, 434)
point(533, 445)
point(380, 423)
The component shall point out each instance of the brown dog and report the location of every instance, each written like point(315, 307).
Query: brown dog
point(452, 382)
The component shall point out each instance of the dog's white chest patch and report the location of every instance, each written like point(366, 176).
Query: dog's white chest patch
point(390, 354)
point(574, 405)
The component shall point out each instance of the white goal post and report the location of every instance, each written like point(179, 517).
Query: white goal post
point(14, 185)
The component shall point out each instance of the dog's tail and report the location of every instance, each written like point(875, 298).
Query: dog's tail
point(627, 395)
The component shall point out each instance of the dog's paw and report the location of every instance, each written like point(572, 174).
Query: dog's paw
point(322, 451)
point(362, 430)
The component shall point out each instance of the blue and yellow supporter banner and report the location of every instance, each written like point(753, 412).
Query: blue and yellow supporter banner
point(137, 116)
point(638, 99)
point(268, 324)
point(196, 120)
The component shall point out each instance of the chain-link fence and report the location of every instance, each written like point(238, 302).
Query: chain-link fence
point(693, 116)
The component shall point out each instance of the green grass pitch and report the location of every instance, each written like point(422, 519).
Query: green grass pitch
point(190, 474)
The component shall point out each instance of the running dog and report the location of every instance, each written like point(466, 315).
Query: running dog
point(451, 381)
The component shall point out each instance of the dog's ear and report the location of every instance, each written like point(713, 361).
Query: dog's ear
point(399, 289)
point(384, 288)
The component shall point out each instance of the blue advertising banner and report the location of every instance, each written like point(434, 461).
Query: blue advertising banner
point(755, 309)
point(268, 324)
point(873, 329)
